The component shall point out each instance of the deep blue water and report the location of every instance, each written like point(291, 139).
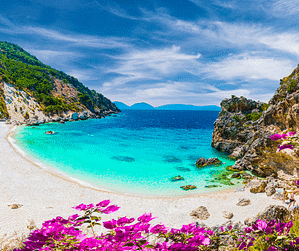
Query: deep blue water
point(134, 152)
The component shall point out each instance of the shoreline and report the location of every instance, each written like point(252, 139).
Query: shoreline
point(45, 195)
point(85, 184)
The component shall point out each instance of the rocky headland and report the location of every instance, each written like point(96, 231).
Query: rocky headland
point(33, 93)
point(244, 126)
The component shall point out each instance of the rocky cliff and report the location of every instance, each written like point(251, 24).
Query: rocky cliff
point(32, 92)
point(244, 126)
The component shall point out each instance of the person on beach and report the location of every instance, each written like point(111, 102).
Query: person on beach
point(284, 195)
point(292, 199)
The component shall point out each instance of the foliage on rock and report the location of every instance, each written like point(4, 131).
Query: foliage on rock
point(26, 72)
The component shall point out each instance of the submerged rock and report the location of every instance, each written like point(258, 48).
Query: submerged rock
point(188, 187)
point(182, 169)
point(123, 158)
point(176, 178)
point(210, 186)
point(172, 159)
point(201, 162)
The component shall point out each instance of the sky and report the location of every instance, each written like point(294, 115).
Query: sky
point(161, 52)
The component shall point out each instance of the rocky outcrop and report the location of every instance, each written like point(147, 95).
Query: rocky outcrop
point(201, 162)
point(244, 126)
point(257, 186)
point(35, 95)
point(270, 190)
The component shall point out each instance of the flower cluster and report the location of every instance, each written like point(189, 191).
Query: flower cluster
point(123, 233)
point(129, 234)
point(289, 140)
point(271, 236)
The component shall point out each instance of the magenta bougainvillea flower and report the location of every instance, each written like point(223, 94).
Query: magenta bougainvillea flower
point(285, 147)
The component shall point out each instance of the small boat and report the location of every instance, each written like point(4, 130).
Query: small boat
point(50, 132)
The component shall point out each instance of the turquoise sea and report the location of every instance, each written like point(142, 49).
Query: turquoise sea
point(133, 152)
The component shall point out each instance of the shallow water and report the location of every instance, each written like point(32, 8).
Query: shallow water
point(136, 152)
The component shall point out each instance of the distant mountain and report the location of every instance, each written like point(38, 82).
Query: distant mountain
point(173, 107)
point(142, 106)
point(121, 105)
point(189, 107)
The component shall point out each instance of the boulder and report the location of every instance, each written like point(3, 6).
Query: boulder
point(270, 190)
point(75, 116)
point(206, 162)
point(188, 187)
point(240, 189)
point(247, 176)
point(200, 213)
point(273, 212)
point(277, 196)
point(15, 206)
point(176, 178)
point(227, 215)
point(258, 186)
point(243, 202)
point(236, 175)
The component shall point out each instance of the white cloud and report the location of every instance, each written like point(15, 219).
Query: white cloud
point(283, 8)
point(249, 67)
point(151, 64)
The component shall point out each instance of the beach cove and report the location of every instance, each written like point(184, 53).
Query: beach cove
point(45, 195)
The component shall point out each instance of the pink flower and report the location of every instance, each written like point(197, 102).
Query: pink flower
point(110, 209)
point(103, 203)
point(275, 137)
point(145, 218)
point(285, 147)
point(80, 207)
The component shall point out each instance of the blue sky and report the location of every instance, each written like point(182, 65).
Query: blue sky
point(161, 52)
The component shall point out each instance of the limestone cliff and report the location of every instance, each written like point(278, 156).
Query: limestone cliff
point(244, 126)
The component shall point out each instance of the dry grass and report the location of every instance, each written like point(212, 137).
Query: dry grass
point(15, 241)
point(9, 243)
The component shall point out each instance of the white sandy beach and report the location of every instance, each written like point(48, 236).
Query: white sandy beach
point(45, 195)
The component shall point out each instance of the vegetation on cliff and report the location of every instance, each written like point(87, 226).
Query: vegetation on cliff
point(244, 126)
point(26, 72)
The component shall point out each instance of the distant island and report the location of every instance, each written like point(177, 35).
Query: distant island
point(174, 107)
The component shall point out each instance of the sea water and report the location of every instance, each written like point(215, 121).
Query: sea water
point(133, 152)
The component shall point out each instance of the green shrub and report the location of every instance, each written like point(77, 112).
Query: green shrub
point(236, 118)
point(265, 107)
point(292, 85)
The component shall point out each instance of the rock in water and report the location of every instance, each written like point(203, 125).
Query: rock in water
point(201, 162)
point(236, 175)
point(176, 178)
point(200, 213)
point(243, 202)
point(188, 187)
point(270, 190)
point(227, 215)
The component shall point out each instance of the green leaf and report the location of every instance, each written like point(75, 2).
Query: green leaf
point(142, 242)
point(130, 244)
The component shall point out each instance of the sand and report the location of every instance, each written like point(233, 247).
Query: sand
point(45, 195)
